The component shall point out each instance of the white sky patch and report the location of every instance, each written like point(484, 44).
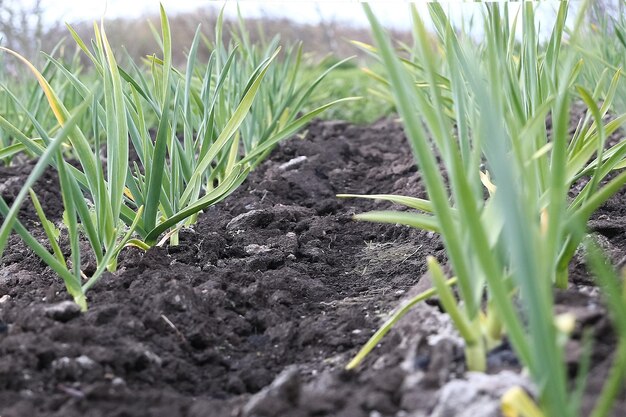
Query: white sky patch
point(391, 13)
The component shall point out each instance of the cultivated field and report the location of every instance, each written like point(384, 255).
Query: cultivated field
point(264, 219)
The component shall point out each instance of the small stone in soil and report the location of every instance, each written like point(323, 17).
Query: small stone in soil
point(118, 382)
point(254, 249)
point(278, 398)
point(82, 368)
point(478, 395)
point(63, 311)
point(293, 163)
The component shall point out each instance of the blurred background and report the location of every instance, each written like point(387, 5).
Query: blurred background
point(29, 26)
point(325, 27)
point(32, 25)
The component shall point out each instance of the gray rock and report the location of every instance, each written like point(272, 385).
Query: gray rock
point(82, 368)
point(63, 311)
point(148, 355)
point(264, 217)
point(276, 399)
point(293, 163)
point(249, 219)
point(254, 249)
point(118, 382)
point(478, 395)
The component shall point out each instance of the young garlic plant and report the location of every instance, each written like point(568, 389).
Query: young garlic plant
point(482, 111)
point(199, 155)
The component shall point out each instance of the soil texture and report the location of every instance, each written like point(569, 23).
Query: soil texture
point(259, 308)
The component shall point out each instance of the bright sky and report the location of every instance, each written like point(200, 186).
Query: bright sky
point(392, 13)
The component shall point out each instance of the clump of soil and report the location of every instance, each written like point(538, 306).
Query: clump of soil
point(262, 304)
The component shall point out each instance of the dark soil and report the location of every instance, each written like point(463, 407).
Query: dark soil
point(262, 304)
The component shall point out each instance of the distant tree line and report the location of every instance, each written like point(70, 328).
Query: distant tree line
point(21, 25)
